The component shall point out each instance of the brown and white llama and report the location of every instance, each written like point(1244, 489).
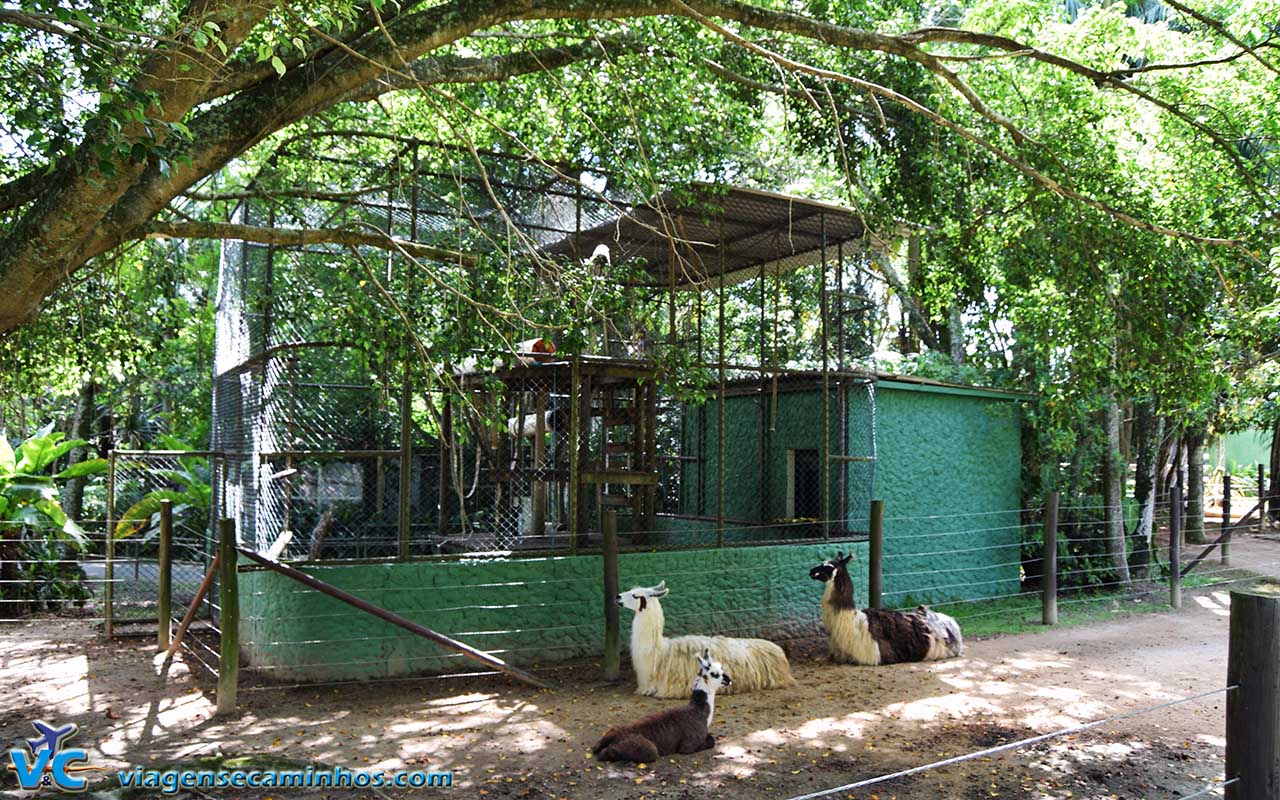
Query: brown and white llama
point(877, 636)
point(676, 730)
point(665, 666)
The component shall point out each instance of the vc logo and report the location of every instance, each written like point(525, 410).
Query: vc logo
point(50, 763)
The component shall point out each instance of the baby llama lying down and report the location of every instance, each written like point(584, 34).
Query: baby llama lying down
point(665, 667)
point(876, 636)
point(676, 730)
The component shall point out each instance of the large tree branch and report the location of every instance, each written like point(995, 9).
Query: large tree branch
point(23, 189)
point(460, 69)
point(354, 236)
point(1222, 29)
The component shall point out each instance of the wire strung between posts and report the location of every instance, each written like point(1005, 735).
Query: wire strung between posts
point(1213, 787)
point(1011, 745)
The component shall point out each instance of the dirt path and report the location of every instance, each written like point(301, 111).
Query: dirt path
point(839, 725)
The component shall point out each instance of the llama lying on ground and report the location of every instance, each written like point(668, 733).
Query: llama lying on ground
point(665, 667)
point(676, 730)
point(876, 636)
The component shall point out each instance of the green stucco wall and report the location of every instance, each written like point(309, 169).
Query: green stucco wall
point(1245, 450)
point(528, 611)
point(948, 469)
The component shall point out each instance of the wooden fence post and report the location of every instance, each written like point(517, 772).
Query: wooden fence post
point(875, 559)
point(1049, 563)
point(109, 552)
point(1253, 707)
point(612, 629)
point(1226, 520)
point(229, 618)
point(164, 601)
point(1175, 546)
point(1262, 498)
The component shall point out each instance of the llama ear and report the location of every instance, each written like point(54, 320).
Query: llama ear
point(660, 590)
point(846, 559)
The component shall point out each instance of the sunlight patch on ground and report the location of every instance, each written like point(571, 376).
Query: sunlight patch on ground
point(1214, 605)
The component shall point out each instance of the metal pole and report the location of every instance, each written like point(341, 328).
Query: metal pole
point(1253, 706)
point(875, 560)
point(1175, 546)
point(612, 626)
point(406, 460)
point(165, 599)
point(229, 619)
point(1049, 563)
point(576, 424)
point(720, 404)
point(826, 386)
point(1226, 520)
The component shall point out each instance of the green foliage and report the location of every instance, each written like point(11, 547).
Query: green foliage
point(29, 493)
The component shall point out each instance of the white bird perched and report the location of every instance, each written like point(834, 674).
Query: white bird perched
point(665, 667)
point(600, 254)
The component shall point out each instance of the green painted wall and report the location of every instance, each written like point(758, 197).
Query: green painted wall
point(948, 471)
point(527, 611)
point(1246, 449)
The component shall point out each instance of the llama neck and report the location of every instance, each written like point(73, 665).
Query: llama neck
point(646, 637)
point(839, 592)
point(703, 698)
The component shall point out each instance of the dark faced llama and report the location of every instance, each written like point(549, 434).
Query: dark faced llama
point(676, 730)
point(875, 636)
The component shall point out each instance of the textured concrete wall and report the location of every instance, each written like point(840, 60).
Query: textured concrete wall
point(528, 611)
point(948, 470)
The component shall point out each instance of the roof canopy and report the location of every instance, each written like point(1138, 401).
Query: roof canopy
point(690, 237)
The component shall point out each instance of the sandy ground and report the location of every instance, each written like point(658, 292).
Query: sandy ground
point(841, 724)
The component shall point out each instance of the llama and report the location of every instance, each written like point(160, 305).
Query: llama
point(676, 730)
point(664, 667)
point(876, 636)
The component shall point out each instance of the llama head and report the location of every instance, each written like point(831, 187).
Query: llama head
point(637, 598)
point(711, 673)
point(830, 568)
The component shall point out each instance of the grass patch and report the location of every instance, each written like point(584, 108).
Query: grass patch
point(1022, 614)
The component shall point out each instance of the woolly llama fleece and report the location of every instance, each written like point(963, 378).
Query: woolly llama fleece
point(666, 667)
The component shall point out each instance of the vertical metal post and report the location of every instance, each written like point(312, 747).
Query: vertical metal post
point(875, 558)
point(538, 489)
point(1226, 520)
point(406, 460)
point(720, 404)
point(229, 619)
point(826, 384)
point(165, 589)
point(612, 626)
point(442, 478)
point(575, 457)
point(1175, 546)
point(1253, 706)
point(109, 547)
point(1049, 563)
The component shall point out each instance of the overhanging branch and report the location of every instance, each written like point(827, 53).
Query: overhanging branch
point(299, 237)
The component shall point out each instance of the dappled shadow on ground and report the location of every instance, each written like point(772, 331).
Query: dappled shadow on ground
point(840, 724)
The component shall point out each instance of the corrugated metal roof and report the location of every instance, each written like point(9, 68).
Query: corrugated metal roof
point(681, 232)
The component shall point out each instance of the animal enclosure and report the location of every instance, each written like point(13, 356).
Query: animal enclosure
point(722, 402)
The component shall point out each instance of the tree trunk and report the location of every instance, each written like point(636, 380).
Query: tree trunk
point(1148, 431)
point(955, 325)
point(1193, 527)
point(1113, 494)
point(82, 428)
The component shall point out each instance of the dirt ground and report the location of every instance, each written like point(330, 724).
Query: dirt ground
point(841, 724)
